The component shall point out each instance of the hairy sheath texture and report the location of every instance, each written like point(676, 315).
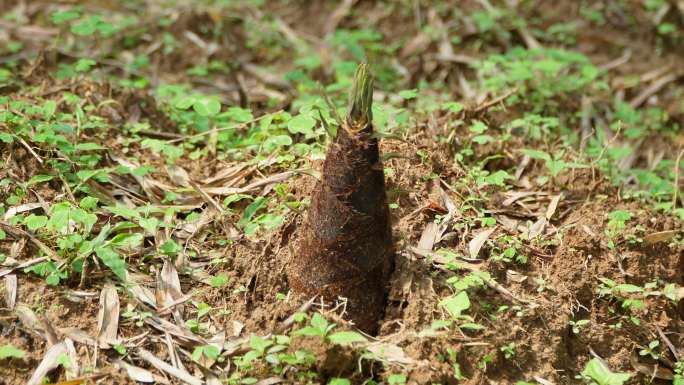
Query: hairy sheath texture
point(345, 248)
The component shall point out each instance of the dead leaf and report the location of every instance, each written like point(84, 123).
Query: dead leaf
point(478, 241)
point(237, 328)
point(11, 291)
point(553, 205)
point(135, 373)
point(32, 262)
point(20, 209)
point(166, 368)
point(652, 370)
point(50, 333)
point(79, 336)
point(74, 370)
point(514, 276)
point(537, 227)
point(390, 353)
point(108, 317)
point(169, 290)
point(270, 381)
point(50, 361)
point(429, 236)
point(29, 319)
point(660, 236)
point(178, 175)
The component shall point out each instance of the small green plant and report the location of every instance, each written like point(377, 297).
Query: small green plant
point(196, 324)
point(678, 373)
point(318, 327)
point(617, 220)
point(10, 351)
point(396, 379)
point(554, 164)
point(576, 326)
point(508, 350)
point(599, 374)
point(651, 350)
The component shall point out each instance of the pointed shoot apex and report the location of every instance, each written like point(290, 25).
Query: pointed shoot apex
point(361, 99)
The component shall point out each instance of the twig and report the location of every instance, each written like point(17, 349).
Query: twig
point(496, 100)
point(30, 150)
point(290, 320)
point(668, 343)
point(626, 55)
point(652, 89)
point(21, 233)
point(20, 266)
point(676, 179)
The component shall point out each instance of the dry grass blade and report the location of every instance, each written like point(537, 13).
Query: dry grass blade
point(108, 317)
point(166, 368)
point(11, 291)
point(50, 361)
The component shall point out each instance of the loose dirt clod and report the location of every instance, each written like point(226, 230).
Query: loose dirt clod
point(346, 246)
